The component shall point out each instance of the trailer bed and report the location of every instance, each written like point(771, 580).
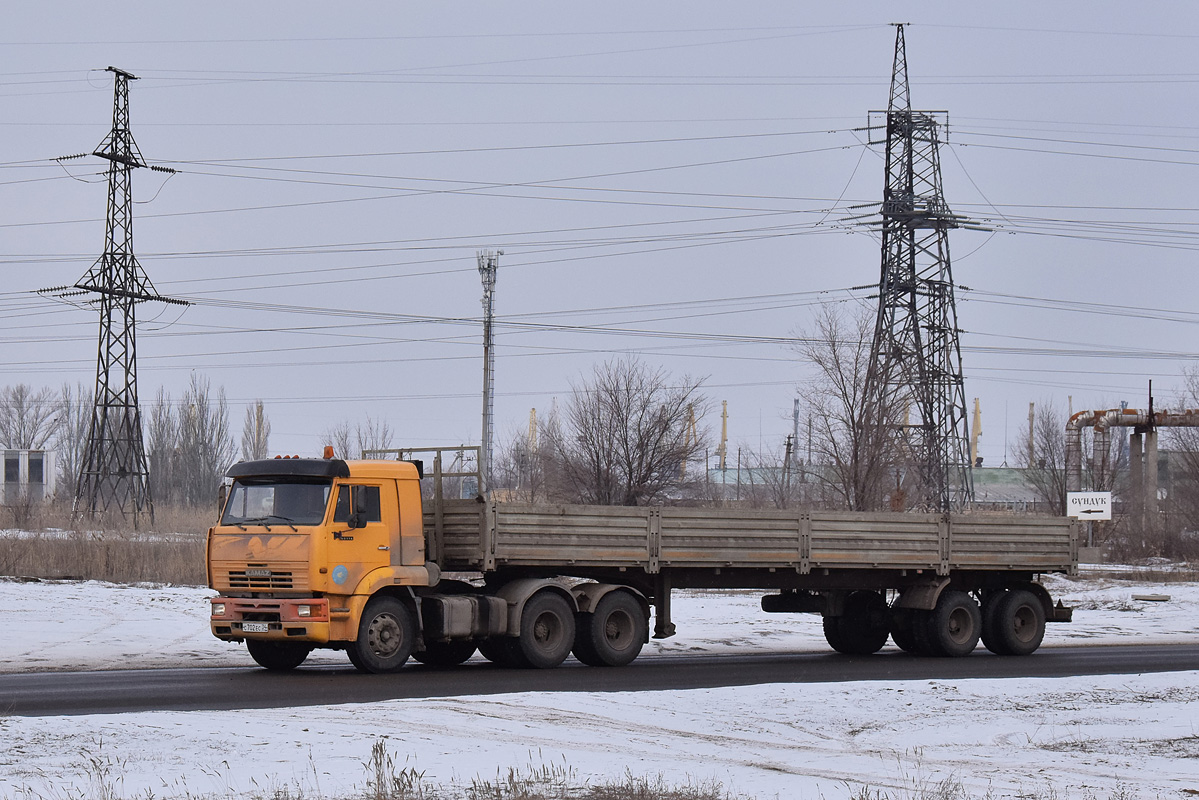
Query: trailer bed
point(473, 536)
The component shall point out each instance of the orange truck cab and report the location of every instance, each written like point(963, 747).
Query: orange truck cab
point(303, 544)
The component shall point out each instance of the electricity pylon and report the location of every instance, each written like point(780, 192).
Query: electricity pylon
point(915, 358)
point(113, 475)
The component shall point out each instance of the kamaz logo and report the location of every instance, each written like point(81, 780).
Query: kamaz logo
point(258, 573)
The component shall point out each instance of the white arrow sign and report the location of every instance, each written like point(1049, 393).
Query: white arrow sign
point(1089, 505)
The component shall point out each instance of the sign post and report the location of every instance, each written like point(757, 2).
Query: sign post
point(1089, 506)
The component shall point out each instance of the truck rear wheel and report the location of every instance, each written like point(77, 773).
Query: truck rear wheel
point(386, 636)
point(278, 656)
point(1019, 623)
point(445, 654)
point(955, 625)
point(864, 626)
point(547, 630)
point(613, 634)
point(504, 652)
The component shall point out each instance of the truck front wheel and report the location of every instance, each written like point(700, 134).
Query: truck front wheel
point(547, 630)
point(278, 656)
point(386, 636)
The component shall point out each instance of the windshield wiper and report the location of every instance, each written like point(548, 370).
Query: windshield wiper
point(263, 520)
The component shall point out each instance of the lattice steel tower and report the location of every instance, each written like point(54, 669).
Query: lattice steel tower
point(113, 475)
point(915, 356)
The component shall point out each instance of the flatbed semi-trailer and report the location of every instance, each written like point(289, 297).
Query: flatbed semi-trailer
point(327, 553)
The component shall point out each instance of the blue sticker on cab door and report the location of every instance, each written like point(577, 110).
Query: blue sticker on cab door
point(340, 573)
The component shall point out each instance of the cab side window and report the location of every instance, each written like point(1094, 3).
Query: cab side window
point(345, 496)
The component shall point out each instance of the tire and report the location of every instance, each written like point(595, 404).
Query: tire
point(445, 654)
point(278, 656)
point(613, 634)
point(902, 620)
point(386, 636)
point(955, 625)
point(991, 623)
point(863, 628)
point(1019, 623)
point(547, 630)
point(910, 630)
point(502, 652)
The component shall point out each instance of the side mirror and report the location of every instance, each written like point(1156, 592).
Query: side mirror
point(221, 495)
point(357, 518)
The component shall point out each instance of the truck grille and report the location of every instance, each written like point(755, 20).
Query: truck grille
point(259, 578)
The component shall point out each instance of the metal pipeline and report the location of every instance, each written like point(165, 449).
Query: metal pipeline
point(1103, 422)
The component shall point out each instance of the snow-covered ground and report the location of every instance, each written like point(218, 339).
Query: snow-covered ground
point(1076, 737)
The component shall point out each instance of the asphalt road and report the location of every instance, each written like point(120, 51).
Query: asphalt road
point(51, 693)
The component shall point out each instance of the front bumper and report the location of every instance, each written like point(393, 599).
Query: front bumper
point(235, 619)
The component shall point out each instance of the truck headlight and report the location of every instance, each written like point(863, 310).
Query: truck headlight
point(218, 609)
point(303, 611)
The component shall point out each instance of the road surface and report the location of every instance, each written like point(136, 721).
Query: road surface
point(115, 691)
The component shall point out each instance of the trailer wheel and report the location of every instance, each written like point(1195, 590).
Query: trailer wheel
point(864, 626)
point(955, 624)
point(386, 636)
point(1019, 623)
point(445, 654)
point(991, 622)
point(278, 656)
point(547, 630)
point(613, 634)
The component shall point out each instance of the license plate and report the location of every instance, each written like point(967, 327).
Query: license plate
point(255, 627)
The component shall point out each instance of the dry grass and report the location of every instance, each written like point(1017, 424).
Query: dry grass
point(53, 542)
point(98, 775)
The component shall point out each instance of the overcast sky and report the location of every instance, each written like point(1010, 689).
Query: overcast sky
point(671, 180)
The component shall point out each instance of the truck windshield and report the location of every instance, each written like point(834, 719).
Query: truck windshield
point(276, 501)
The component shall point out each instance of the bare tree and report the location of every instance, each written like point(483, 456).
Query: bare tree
point(205, 443)
point(74, 414)
point(374, 434)
point(767, 479)
point(1165, 536)
point(350, 440)
point(162, 445)
point(1044, 460)
point(855, 437)
point(622, 437)
point(341, 437)
point(255, 433)
point(520, 469)
point(27, 417)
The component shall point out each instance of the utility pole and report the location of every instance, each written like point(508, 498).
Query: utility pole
point(489, 264)
point(113, 474)
point(915, 355)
